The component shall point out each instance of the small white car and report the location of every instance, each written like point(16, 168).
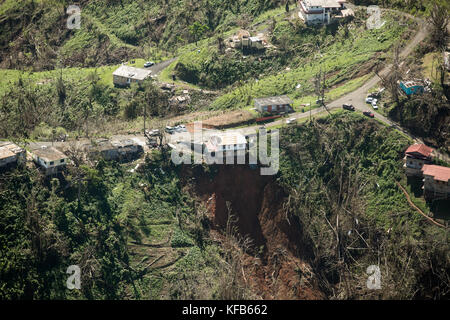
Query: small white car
point(291, 120)
point(369, 100)
point(375, 107)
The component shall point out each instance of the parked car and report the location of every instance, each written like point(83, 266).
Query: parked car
point(170, 129)
point(180, 128)
point(347, 106)
point(148, 64)
point(153, 132)
point(369, 99)
point(375, 107)
point(291, 120)
point(368, 114)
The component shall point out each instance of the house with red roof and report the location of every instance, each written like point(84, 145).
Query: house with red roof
point(436, 182)
point(416, 156)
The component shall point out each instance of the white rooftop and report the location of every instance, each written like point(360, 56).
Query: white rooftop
point(278, 100)
point(324, 3)
point(132, 72)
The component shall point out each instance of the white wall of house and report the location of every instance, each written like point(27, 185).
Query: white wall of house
point(49, 164)
point(413, 166)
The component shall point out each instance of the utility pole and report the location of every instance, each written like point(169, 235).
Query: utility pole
point(321, 84)
point(145, 114)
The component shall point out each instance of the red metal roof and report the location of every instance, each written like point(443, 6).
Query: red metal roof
point(437, 172)
point(421, 149)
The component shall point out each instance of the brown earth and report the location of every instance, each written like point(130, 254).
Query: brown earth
point(275, 267)
point(230, 119)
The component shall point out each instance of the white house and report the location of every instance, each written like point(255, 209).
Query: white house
point(320, 11)
point(225, 141)
point(125, 75)
point(49, 159)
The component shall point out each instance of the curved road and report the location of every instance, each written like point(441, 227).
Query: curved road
point(356, 98)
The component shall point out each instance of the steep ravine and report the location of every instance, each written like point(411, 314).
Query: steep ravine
point(276, 267)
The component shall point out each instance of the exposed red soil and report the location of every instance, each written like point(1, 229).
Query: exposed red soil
point(279, 270)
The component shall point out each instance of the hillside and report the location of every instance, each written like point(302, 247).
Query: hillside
point(88, 175)
point(34, 34)
point(140, 234)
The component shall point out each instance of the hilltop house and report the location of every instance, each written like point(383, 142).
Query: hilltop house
point(274, 104)
point(225, 141)
point(412, 87)
point(416, 156)
point(436, 182)
point(125, 75)
point(11, 155)
point(49, 159)
point(322, 11)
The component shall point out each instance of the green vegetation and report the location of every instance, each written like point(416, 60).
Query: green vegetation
point(340, 174)
point(111, 31)
point(342, 54)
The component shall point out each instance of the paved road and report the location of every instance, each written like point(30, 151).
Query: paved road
point(356, 98)
point(158, 67)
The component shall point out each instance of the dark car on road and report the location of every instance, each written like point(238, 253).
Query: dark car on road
point(348, 107)
point(369, 114)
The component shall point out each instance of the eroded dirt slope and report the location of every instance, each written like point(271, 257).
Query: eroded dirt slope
point(275, 266)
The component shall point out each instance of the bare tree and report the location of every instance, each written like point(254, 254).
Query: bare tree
point(439, 19)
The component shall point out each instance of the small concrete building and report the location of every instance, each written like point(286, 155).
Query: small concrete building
point(274, 104)
point(125, 75)
point(436, 182)
point(124, 149)
point(256, 43)
point(11, 155)
point(49, 159)
point(416, 156)
point(225, 141)
point(412, 87)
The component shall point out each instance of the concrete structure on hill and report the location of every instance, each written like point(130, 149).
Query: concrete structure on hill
point(274, 104)
point(225, 141)
point(49, 159)
point(243, 40)
point(11, 155)
point(322, 11)
point(120, 150)
point(125, 75)
point(436, 182)
point(416, 156)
